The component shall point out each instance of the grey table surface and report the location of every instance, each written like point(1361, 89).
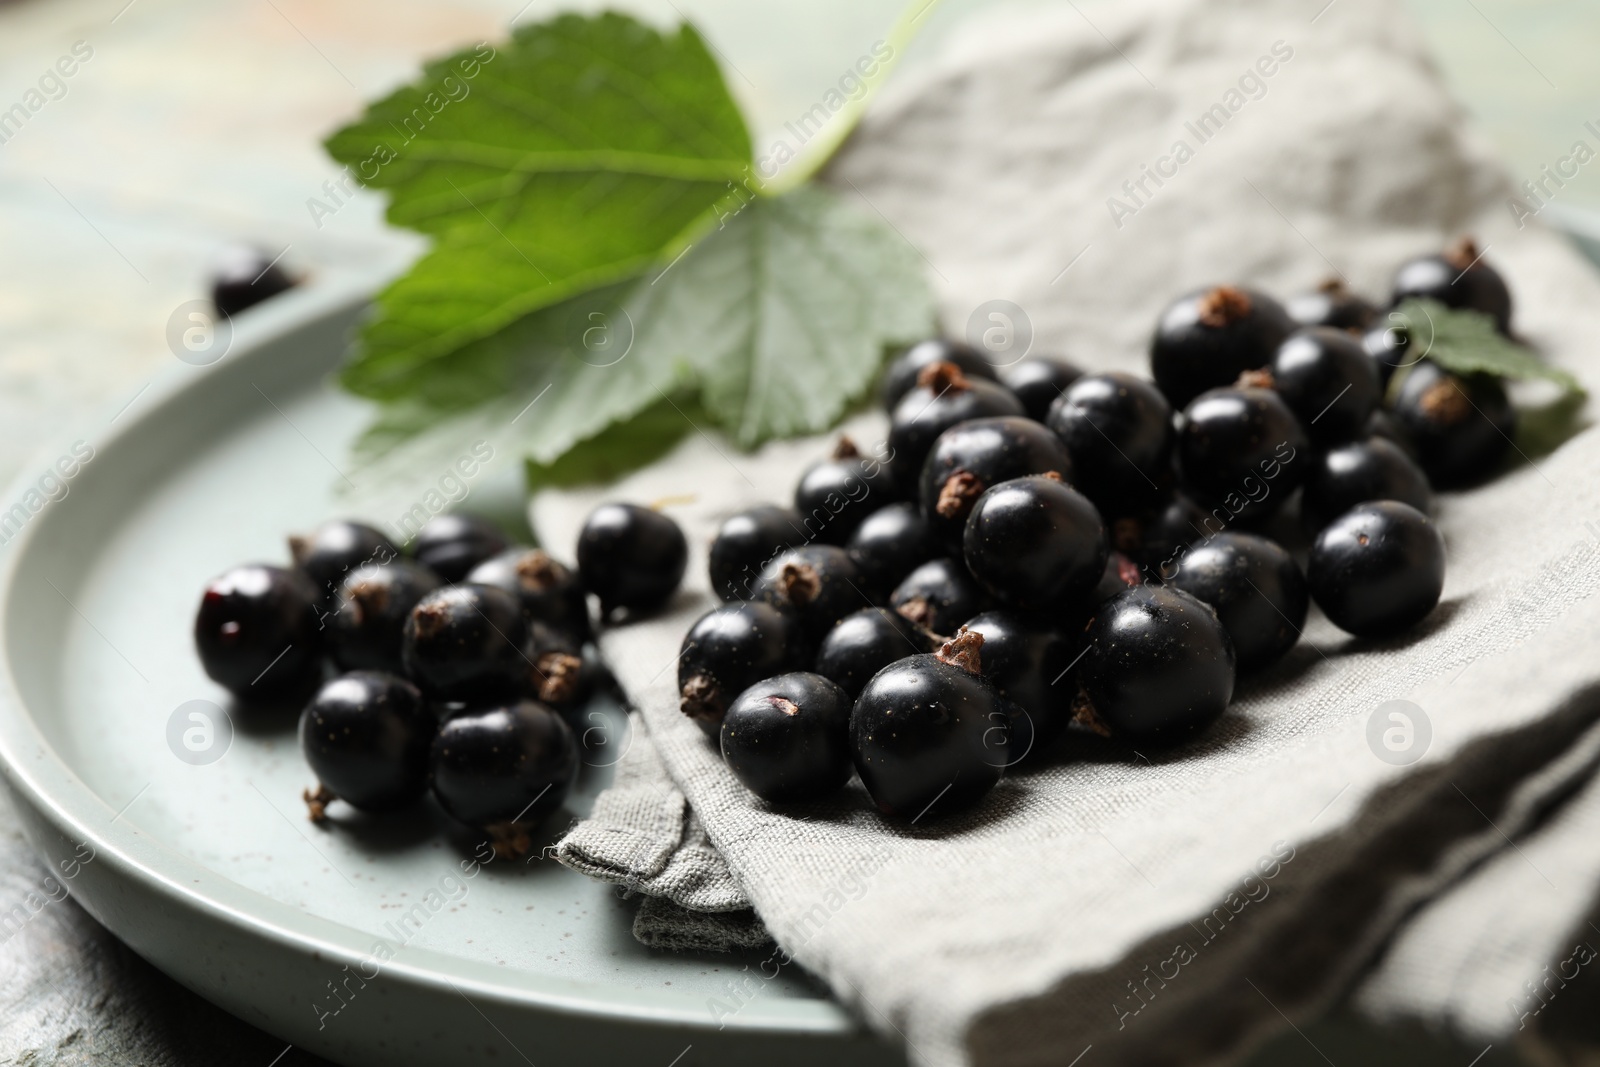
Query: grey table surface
point(194, 123)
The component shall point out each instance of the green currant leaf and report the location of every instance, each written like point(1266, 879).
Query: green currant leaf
point(1466, 342)
point(570, 158)
point(772, 325)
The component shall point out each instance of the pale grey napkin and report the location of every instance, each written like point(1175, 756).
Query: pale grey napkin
point(1179, 911)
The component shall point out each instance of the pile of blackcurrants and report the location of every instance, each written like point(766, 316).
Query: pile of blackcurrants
point(1036, 551)
point(1033, 552)
point(451, 669)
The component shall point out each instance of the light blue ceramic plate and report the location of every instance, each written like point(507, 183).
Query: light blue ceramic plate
point(210, 870)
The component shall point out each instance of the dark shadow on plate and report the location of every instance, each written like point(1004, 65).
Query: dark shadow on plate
point(386, 832)
point(268, 718)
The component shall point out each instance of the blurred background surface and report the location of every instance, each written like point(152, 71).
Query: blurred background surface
point(195, 123)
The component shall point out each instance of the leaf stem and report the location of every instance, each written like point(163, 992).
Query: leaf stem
point(821, 148)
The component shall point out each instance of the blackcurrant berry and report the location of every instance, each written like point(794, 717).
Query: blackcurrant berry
point(366, 736)
point(1039, 382)
point(465, 643)
point(454, 544)
point(1121, 572)
point(1381, 425)
point(944, 396)
point(1242, 449)
point(631, 557)
point(1328, 381)
point(1374, 469)
point(1377, 569)
point(1207, 338)
point(548, 590)
point(1031, 666)
point(1458, 278)
point(1461, 427)
point(865, 642)
point(901, 375)
point(969, 458)
point(1256, 590)
point(258, 633)
point(1159, 667)
point(1035, 541)
point(835, 494)
point(554, 667)
point(787, 738)
point(889, 544)
point(503, 770)
point(243, 276)
point(1389, 348)
point(939, 595)
point(729, 649)
point(819, 584)
point(375, 600)
point(1153, 539)
point(744, 544)
point(1332, 304)
point(1118, 430)
point(336, 548)
point(929, 735)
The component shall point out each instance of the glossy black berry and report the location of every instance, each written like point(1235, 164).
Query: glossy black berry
point(1159, 667)
point(1118, 429)
point(375, 600)
point(1255, 588)
point(1332, 304)
point(465, 643)
point(366, 736)
point(939, 595)
point(1039, 382)
point(548, 590)
point(865, 642)
point(1121, 572)
point(1378, 569)
point(1207, 338)
point(901, 375)
point(631, 557)
point(1035, 541)
point(944, 396)
point(1153, 539)
point(503, 770)
point(1461, 428)
point(452, 545)
point(835, 494)
point(243, 276)
point(745, 542)
point(729, 649)
point(889, 544)
point(969, 458)
point(1380, 424)
point(1328, 381)
point(929, 735)
point(1351, 474)
point(336, 548)
point(258, 632)
point(1032, 666)
point(818, 584)
point(1388, 345)
point(1458, 277)
point(553, 666)
point(787, 738)
point(1242, 449)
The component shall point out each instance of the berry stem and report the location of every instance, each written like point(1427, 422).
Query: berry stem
point(317, 802)
point(963, 650)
